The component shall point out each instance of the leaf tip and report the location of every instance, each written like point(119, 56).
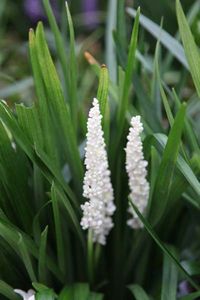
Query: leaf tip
point(31, 35)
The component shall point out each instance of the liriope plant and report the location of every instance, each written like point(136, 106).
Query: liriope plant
point(69, 180)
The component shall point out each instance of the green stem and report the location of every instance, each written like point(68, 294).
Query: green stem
point(97, 255)
point(90, 255)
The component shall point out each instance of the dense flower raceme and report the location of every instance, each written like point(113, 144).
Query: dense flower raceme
point(97, 185)
point(30, 295)
point(136, 169)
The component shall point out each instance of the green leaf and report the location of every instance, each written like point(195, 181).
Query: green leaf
point(44, 164)
point(166, 105)
point(102, 93)
point(41, 112)
point(66, 204)
point(191, 50)
point(95, 296)
point(166, 169)
point(11, 235)
point(72, 70)
point(37, 156)
point(110, 47)
point(121, 23)
point(102, 96)
point(12, 159)
point(43, 292)
point(164, 37)
point(170, 277)
point(56, 175)
point(188, 130)
point(155, 85)
point(26, 258)
point(163, 247)
point(60, 108)
point(159, 141)
point(42, 256)
point(60, 46)
point(146, 107)
point(192, 296)
point(155, 162)
point(61, 253)
point(192, 266)
point(45, 295)
point(138, 292)
point(29, 121)
point(123, 104)
point(7, 291)
point(78, 291)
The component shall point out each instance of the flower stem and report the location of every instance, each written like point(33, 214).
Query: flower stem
point(90, 256)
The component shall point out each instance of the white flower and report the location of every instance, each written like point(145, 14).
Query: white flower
point(136, 169)
point(97, 186)
point(30, 295)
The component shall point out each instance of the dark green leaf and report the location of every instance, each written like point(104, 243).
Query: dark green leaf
point(170, 277)
point(163, 247)
point(166, 170)
point(7, 291)
point(138, 292)
point(191, 50)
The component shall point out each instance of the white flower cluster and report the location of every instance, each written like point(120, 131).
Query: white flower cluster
point(97, 186)
point(30, 295)
point(136, 169)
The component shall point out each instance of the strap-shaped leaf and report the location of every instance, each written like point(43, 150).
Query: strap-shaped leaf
point(170, 277)
point(138, 292)
point(166, 170)
point(191, 50)
point(163, 247)
point(59, 106)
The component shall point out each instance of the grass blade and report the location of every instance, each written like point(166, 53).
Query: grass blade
point(166, 169)
point(60, 46)
point(72, 71)
point(123, 104)
point(43, 292)
point(164, 37)
point(159, 141)
point(170, 278)
point(102, 93)
point(26, 258)
point(58, 229)
point(110, 47)
point(192, 296)
point(41, 107)
point(78, 291)
point(60, 108)
point(164, 248)
point(191, 50)
point(7, 291)
point(138, 292)
point(102, 96)
point(42, 274)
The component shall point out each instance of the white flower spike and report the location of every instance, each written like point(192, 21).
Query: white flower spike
point(97, 185)
point(30, 295)
point(136, 169)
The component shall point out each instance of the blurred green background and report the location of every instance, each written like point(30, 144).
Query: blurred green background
point(16, 17)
